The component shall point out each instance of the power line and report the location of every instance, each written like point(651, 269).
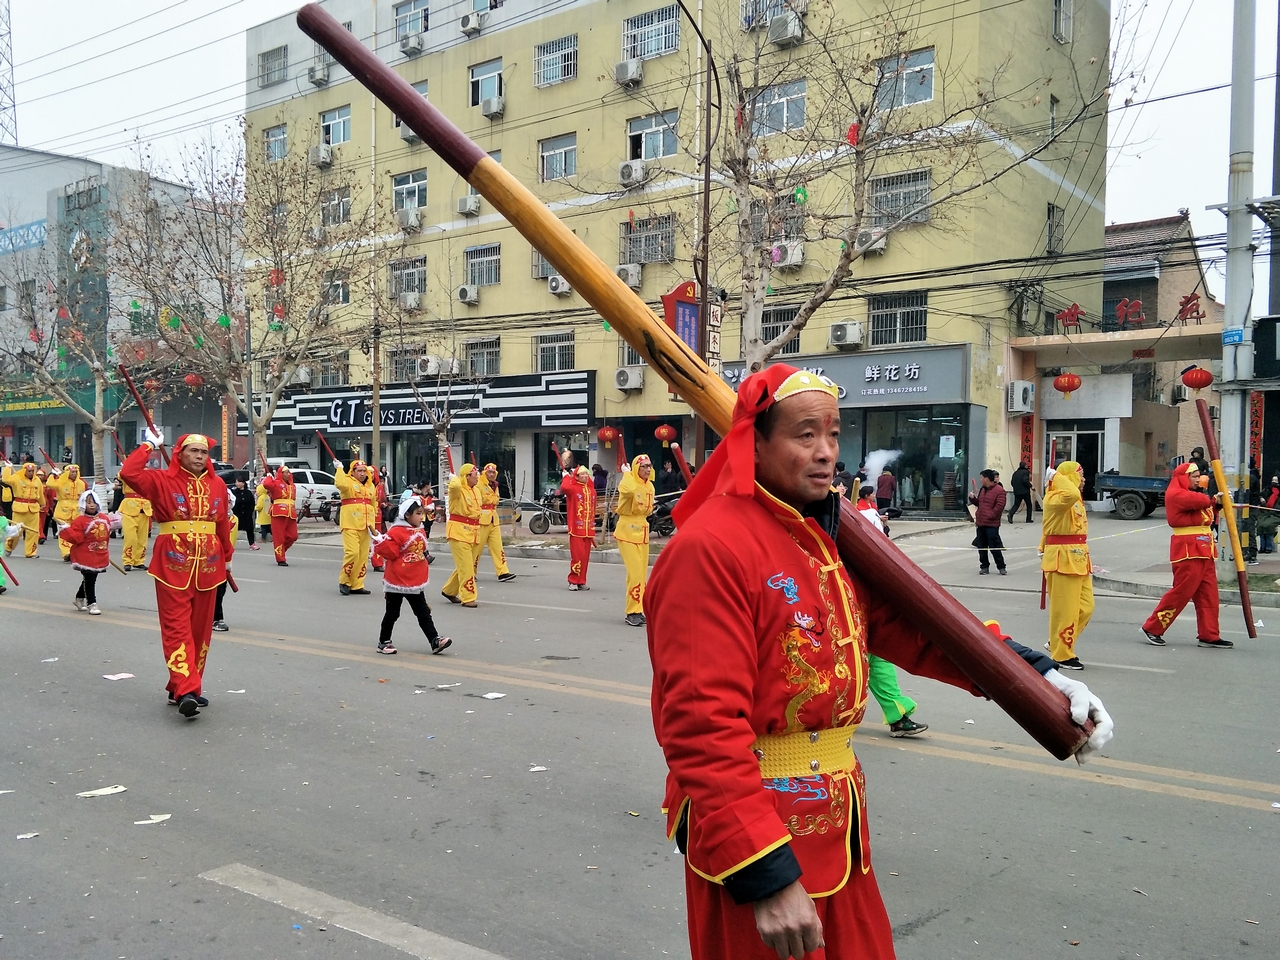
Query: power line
point(103, 33)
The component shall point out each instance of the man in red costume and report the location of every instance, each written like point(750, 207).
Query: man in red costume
point(1189, 510)
point(759, 641)
point(284, 512)
point(580, 512)
point(190, 557)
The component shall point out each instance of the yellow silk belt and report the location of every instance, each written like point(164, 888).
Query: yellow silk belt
point(805, 753)
point(178, 527)
point(1190, 531)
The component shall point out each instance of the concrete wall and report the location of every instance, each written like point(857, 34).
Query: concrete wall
point(1104, 396)
point(1152, 428)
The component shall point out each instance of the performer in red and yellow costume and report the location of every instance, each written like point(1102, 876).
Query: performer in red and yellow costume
point(376, 560)
point(1066, 565)
point(463, 534)
point(1189, 510)
point(580, 512)
point(284, 512)
point(28, 502)
point(67, 487)
point(190, 558)
point(135, 522)
point(490, 530)
point(359, 494)
point(635, 503)
point(759, 640)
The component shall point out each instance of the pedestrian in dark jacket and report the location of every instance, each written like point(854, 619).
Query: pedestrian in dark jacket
point(886, 487)
point(845, 479)
point(1021, 484)
point(990, 503)
point(242, 506)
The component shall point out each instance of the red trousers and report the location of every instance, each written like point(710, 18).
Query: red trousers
point(186, 624)
point(579, 557)
point(1194, 581)
point(855, 925)
point(284, 534)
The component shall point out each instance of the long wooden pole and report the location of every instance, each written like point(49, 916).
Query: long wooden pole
point(146, 414)
point(682, 463)
point(995, 669)
point(1215, 464)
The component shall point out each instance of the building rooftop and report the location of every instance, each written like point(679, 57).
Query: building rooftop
point(1144, 243)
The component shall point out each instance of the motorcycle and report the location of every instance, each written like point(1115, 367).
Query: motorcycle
point(661, 523)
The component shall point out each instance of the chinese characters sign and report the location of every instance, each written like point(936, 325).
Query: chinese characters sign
point(892, 378)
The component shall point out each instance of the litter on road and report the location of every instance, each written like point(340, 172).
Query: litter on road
point(537, 769)
point(116, 676)
point(494, 696)
point(104, 791)
point(446, 686)
point(27, 836)
point(155, 818)
point(50, 660)
point(235, 691)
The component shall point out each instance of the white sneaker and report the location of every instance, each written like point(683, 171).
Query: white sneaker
point(573, 586)
point(80, 604)
point(94, 611)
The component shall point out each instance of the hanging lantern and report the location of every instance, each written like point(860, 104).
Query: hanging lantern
point(152, 385)
point(139, 354)
point(194, 380)
point(666, 433)
point(1197, 378)
point(1066, 384)
point(607, 435)
point(224, 322)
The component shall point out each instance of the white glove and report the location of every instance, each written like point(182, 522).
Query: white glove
point(1085, 706)
point(337, 465)
point(153, 437)
point(61, 526)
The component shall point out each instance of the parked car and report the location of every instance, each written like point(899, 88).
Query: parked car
point(316, 491)
point(293, 463)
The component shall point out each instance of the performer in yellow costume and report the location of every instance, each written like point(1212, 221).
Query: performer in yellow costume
point(68, 488)
point(359, 493)
point(28, 497)
point(135, 521)
point(463, 533)
point(262, 504)
point(490, 531)
point(635, 503)
point(1067, 568)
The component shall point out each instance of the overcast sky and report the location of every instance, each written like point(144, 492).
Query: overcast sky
point(180, 67)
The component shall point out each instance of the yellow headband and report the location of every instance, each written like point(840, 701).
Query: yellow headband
point(804, 382)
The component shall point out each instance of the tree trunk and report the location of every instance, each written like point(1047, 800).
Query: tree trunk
point(98, 428)
point(258, 436)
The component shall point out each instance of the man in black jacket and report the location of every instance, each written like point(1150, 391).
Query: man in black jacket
point(1021, 484)
point(242, 506)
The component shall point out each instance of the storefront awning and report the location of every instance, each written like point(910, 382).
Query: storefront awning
point(1151, 343)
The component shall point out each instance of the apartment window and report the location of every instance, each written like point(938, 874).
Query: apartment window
point(652, 137)
point(324, 57)
point(484, 357)
point(486, 81)
point(773, 322)
point(1055, 227)
point(496, 157)
point(421, 87)
point(335, 207)
point(407, 276)
point(332, 372)
point(778, 109)
point(558, 157)
point(4, 298)
point(628, 356)
point(787, 222)
point(411, 17)
point(484, 265)
point(276, 142)
point(899, 318)
point(651, 240)
point(337, 287)
point(651, 34)
point(273, 66)
point(1053, 116)
point(758, 13)
point(335, 125)
point(905, 80)
point(555, 61)
point(409, 190)
point(898, 198)
point(26, 295)
point(553, 352)
point(540, 266)
point(404, 364)
point(1062, 16)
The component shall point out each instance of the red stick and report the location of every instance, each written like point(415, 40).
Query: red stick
point(231, 582)
point(1044, 585)
point(622, 453)
point(473, 460)
point(559, 458)
point(47, 458)
point(10, 572)
point(323, 443)
point(448, 452)
point(681, 462)
point(146, 414)
point(119, 449)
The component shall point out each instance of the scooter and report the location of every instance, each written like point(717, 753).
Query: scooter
point(661, 523)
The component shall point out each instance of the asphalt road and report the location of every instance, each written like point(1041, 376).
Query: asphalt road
point(347, 804)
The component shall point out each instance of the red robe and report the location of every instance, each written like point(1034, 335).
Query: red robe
point(580, 513)
point(89, 538)
point(1191, 551)
point(284, 514)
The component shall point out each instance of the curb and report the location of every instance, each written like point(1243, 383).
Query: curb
point(1156, 592)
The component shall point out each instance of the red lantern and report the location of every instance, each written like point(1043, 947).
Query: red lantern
point(666, 433)
point(1197, 378)
point(194, 380)
point(1066, 383)
point(607, 434)
point(140, 354)
point(152, 385)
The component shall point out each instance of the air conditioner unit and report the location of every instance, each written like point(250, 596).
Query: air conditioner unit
point(786, 29)
point(469, 293)
point(428, 366)
point(317, 234)
point(492, 107)
point(631, 173)
point(631, 274)
point(409, 218)
point(318, 74)
point(629, 378)
point(754, 14)
point(845, 335)
point(322, 316)
point(321, 155)
point(301, 375)
point(788, 256)
point(472, 23)
point(411, 44)
point(629, 73)
point(1213, 413)
point(873, 241)
point(558, 285)
point(1179, 393)
point(410, 300)
point(407, 134)
point(469, 206)
point(1020, 397)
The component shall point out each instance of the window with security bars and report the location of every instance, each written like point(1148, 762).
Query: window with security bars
point(787, 222)
point(553, 352)
point(773, 322)
point(899, 318)
point(540, 267)
point(555, 61)
point(898, 198)
point(276, 142)
point(484, 265)
point(407, 276)
point(337, 286)
point(322, 56)
point(411, 17)
point(651, 240)
point(558, 157)
point(409, 190)
point(273, 66)
point(904, 80)
point(652, 34)
point(335, 207)
point(332, 372)
point(628, 356)
point(652, 137)
point(1062, 16)
point(756, 14)
point(778, 109)
point(1055, 230)
point(403, 363)
point(484, 356)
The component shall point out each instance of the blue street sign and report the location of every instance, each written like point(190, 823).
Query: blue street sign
point(1234, 335)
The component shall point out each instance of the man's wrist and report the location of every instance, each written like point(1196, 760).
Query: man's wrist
point(775, 871)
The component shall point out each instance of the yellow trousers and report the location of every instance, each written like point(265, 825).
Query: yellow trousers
point(31, 521)
point(1070, 607)
point(636, 558)
point(134, 530)
point(491, 537)
point(462, 584)
point(355, 558)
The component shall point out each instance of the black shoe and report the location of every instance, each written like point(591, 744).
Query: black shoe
point(431, 558)
point(189, 707)
point(984, 572)
point(1072, 664)
point(441, 644)
point(906, 727)
point(200, 701)
point(450, 597)
point(635, 619)
point(1003, 572)
point(66, 559)
point(343, 589)
point(505, 577)
point(1153, 638)
point(362, 590)
point(282, 563)
point(220, 626)
point(1216, 644)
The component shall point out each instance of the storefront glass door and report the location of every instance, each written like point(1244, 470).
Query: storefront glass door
point(1082, 446)
point(931, 471)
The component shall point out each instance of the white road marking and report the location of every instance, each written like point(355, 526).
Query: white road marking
point(415, 941)
point(1125, 666)
point(247, 580)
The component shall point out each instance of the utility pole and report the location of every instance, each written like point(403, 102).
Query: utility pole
point(8, 103)
point(248, 384)
point(375, 457)
point(1273, 294)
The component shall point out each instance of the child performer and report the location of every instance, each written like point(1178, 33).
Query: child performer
point(87, 537)
point(10, 534)
point(404, 548)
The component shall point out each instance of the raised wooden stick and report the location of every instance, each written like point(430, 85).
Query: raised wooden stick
point(1215, 464)
point(681, 462)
